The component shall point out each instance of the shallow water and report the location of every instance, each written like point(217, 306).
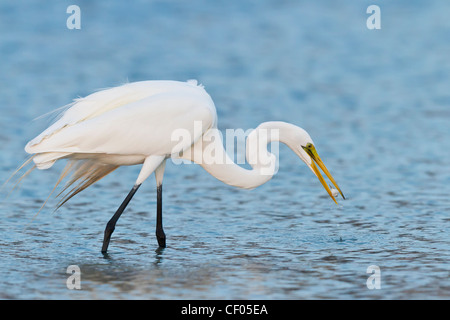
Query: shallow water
point(376, 103)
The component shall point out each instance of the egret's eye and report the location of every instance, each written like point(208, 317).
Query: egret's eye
point(309, 145)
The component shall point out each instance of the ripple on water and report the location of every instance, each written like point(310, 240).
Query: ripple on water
point(380, 126)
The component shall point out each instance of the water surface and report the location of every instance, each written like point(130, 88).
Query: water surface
point(376, 103)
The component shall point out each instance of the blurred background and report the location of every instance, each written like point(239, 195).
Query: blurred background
point(376, 103)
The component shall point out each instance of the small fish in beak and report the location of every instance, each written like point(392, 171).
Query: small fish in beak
point(311, 151)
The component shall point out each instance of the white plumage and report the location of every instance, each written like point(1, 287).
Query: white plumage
point(127, 123)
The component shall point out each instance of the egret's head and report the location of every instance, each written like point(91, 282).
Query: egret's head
point(301, 143)
point(305, 149)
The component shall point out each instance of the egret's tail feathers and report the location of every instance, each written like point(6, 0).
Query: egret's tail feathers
point(17, 171)
point(83, 174)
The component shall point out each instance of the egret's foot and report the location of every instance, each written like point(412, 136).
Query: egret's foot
point(107, 237)
point(161, 237)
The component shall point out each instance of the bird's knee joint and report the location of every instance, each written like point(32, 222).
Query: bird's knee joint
point(110, 227)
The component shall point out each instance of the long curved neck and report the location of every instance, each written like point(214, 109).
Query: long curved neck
point(211, 155)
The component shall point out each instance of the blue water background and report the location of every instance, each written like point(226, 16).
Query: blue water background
point(376, 102)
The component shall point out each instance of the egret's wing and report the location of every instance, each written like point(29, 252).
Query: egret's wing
point(156, 125)
point(98, 103)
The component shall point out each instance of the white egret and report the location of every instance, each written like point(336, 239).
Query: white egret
point(134, 123)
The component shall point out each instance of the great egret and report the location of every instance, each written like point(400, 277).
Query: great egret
point(134, 124)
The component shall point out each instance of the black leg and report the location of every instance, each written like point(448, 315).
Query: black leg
point(160, 235)
point(112, 223)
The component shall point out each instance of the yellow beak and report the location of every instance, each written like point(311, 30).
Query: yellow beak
point(311, 151)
